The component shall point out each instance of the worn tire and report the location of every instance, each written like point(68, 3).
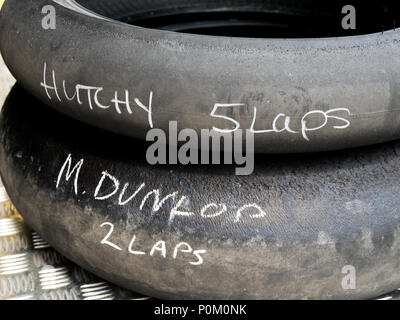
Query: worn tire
point(188, 74)
point(319, 214)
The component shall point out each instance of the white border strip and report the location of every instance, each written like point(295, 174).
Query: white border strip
point(72, 5)
point(3, 195)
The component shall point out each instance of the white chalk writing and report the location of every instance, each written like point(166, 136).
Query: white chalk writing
point(120, 105)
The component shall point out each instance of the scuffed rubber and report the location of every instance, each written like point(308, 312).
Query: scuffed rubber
point(345, 89)
point(292, 230)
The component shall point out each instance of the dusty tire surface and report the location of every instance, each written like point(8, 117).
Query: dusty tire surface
point(287, 231)
point(298, 95)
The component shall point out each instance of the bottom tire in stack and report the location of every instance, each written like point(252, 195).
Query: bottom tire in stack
point(294, 229)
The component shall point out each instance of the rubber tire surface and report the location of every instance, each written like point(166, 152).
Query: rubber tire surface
point(188, 74)
point(321, 213)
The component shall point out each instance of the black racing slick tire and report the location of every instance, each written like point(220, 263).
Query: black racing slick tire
point(301, 227)
point(117, 68)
